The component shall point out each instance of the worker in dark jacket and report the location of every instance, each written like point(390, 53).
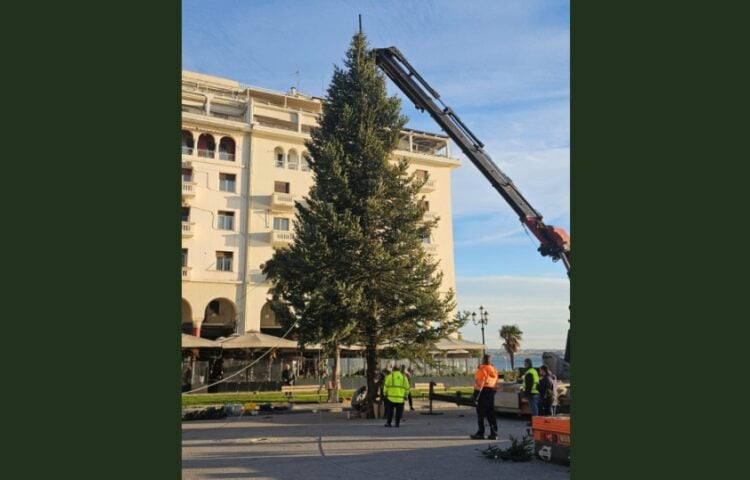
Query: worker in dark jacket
point(485, 386)
point(547, 392)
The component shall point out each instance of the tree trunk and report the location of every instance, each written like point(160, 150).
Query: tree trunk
point(512, 363)
point(336, 374)
point(371, 357)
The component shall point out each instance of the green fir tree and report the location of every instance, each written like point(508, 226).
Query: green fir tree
point(356, 271)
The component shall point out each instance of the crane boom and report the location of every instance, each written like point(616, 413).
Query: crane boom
point(554, 241)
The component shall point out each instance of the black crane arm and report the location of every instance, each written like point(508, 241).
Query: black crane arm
point(555, 242)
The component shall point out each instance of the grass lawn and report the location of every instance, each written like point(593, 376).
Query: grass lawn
point(200, 399)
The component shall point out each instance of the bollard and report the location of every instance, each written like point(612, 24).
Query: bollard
point(432, 391)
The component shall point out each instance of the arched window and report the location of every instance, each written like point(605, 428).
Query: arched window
point(278, 155)
point(220, 319)
point(206, 146)
point(187, 143)
point(226, 149)
point(187, 318)
point(305, 162)
point(268, 317)
point(293, 160)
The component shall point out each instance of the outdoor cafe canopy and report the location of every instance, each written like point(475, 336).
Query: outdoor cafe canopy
point(190, 341)
point(259, 340)
point(450, 344)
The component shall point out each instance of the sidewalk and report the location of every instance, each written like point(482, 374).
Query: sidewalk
point(327, 445)
point(420, 405)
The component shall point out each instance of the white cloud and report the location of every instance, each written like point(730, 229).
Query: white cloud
point(542, 177)
point(469, 236)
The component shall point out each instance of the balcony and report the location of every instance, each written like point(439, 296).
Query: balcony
point(188, 189)
point(427, 217)
point(187, 229)
point(186, 273)
point(281, 238)
point(282, 201)
point(429, 186)
point(205, 153)
point(187, 164)
point(226, 156)
point(187, 151)
point(430, 248)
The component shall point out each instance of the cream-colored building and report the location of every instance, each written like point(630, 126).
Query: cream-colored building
point(243, 166)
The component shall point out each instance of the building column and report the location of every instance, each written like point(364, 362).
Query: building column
point(197, 328)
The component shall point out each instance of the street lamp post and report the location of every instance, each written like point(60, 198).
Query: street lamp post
point(484, 317)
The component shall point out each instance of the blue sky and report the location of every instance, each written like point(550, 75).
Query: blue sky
point(503, 66)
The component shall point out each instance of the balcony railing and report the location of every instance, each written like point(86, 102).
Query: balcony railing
point(186, 273)
point(187, 164)
point(205, 153)
point(429, 185)
point(187, 150)
point(226, 156)
point(281, 238)
point(235, 118)
point(430, 248)
point(187, 229)
point(430, 216)
point(282, 201)
point(188, 189)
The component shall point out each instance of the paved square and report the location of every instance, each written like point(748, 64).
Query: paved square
point(327, 445)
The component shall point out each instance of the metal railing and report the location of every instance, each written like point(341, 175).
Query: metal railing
point(188, 189)
point(187, 150)
point(285, 200)
point(206, 153)
point(267, 124)
point(187, 229)
point(281, 237)
point(226, 156)
point(189, 109)
point(429, 185)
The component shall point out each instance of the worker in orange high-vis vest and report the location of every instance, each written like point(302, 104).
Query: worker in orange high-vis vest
point(485, 386)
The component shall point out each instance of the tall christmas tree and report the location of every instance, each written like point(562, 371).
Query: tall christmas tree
point(356, 271)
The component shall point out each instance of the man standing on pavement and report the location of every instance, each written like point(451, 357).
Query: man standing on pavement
point(547, 392)
point(287, 378)
point(530, 387)
point(395, 390)
point(485, 386)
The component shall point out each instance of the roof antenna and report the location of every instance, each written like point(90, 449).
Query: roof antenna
point(360, 24)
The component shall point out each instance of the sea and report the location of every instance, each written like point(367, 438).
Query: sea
point(501, 359)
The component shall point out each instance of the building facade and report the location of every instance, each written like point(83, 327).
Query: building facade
point(243, 166)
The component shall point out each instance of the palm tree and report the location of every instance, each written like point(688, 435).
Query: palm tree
point(512, 336)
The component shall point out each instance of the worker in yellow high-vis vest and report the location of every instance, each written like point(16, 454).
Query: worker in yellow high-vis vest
point(395, 390)
point(530, 387)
